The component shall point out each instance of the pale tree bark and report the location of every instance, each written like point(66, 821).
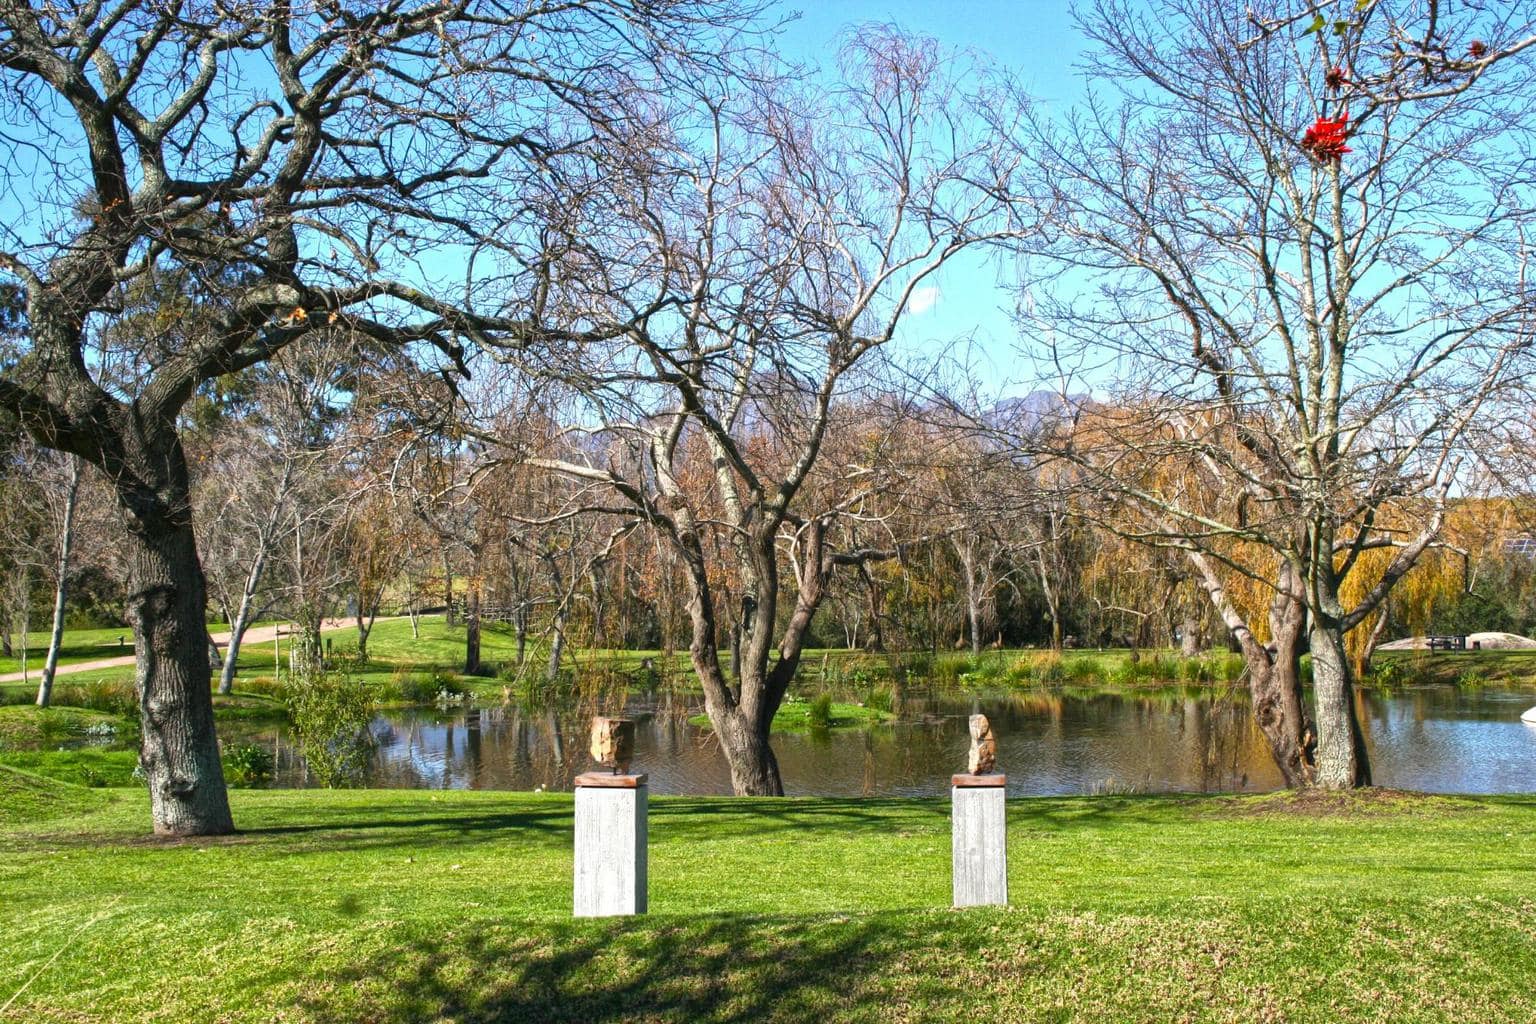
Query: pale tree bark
point(61, 580)
point(267, 538)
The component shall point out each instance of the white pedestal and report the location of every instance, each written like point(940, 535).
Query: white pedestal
point(979, 839)
point(611, 866)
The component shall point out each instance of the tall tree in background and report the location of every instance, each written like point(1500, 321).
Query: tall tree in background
point(1293, 254)
point(294, 164)
point(63, 500)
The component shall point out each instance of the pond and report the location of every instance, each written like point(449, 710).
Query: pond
point(1437, 739)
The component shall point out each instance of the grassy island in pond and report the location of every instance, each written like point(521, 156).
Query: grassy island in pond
point(455, 906)
point(800, 715)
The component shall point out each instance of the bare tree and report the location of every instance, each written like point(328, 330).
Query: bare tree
point(267, 466)
point(727, 301)
point(1293, 259)
point(294, 163)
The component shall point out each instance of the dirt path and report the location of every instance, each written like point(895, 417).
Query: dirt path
point(254, 635)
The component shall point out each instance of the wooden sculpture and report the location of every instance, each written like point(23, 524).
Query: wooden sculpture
point(613, 743)
point(983, 759)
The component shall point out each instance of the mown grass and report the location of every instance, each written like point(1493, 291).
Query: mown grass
point(79, 645)
point(416, 906)
point(1462, 668)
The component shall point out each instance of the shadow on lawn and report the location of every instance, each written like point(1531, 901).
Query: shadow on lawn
point(715, 819)
point(357, 826)
point(716, 969)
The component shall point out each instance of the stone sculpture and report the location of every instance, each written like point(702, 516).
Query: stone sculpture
point(983, 759)
point(613, 743)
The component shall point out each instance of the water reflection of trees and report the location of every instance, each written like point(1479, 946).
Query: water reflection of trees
point(1054, 741)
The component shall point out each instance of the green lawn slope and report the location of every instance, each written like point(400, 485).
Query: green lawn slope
point(418, 906)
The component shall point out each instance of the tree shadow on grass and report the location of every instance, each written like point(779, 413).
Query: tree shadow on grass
point(356, 826)
point(711, 969)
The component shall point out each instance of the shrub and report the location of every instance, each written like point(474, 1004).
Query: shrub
point(1083, 670)
point(1038, 667)
point(248, 765)
point(264, 686)
point(880, 700)
point(646, 677)
point(414, 687)
point(819, 714)
point(331, 710)
point(856, 670)
point(427, 686)
point(115, 698)
point(52, 727)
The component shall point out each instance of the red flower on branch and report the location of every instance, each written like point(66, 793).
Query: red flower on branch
point(1325, 139)
point(1334, 79)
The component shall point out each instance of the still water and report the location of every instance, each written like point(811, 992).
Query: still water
point(1437, 739)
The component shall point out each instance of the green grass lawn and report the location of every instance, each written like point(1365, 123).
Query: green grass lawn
point(454, 906)
point(1467, 668)
point(79, 645)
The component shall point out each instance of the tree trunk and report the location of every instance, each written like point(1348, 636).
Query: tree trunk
point(973, 616)
point(1373, 639)
point(472, 631)
point(754, 768)
point(599, 606)
point(876, 638)
point(556, 645)
point(1274, 678)
point(179, 751)
point(972, 595)
point(1189, 636)
point(61, 583)
point(367, 612)
point(1342, 761)
point(240, 624)
point(237, 630)
point(1281, 715)
point(26, 628)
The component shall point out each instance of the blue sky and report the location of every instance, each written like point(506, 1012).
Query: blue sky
point(1033, 39)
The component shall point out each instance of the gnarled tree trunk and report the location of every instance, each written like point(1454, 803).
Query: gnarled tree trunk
point(167, 606)
point(1274, 679)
